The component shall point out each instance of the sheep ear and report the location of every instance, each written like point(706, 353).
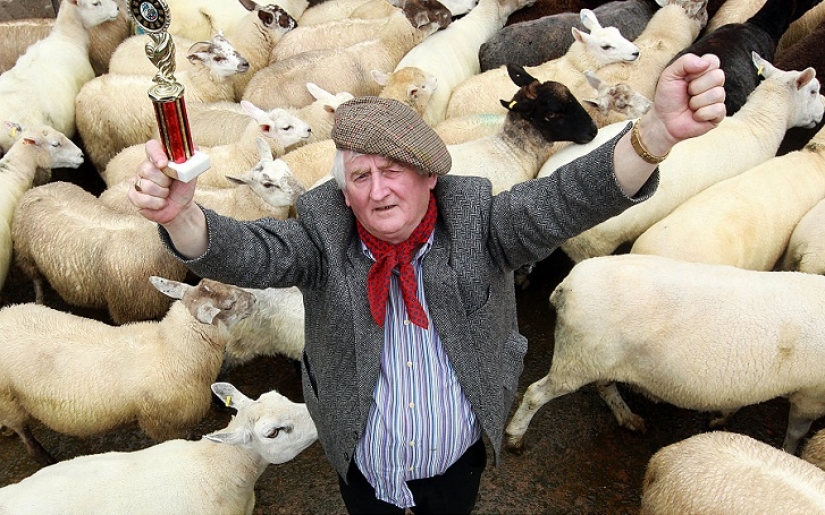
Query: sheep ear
point(14, 128)
point(380, 77)
point(594, 80)
point(519, 75)
point(230, 396)
point(317, 91)
point(264, 152)
point(236, 437)
point(170, 288)
point(806, 76)
point(249, 5)
point(578, 35)
point(198, 51)
point(412, 91)
point(252, 110)
point(588, 19)
point(206, 314)
point(763, 67)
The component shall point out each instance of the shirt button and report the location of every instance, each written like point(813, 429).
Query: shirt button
point(406, 322)
point(409, 364)
point(412, 405)
point(411, 469)
point(412, 443)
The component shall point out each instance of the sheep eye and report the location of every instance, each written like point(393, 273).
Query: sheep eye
point(288, 128)
point(55, 144)
point(96, 4)
point(273, 433)
point(219, 59)
point(607, 47)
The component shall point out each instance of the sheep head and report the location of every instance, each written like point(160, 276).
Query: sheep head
point(550, 107)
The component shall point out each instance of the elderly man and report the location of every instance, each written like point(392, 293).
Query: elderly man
point(412, 346)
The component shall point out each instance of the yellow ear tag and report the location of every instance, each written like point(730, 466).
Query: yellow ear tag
point(759, 71)
point(228, 400)
point(512, 103)
point(14, 131)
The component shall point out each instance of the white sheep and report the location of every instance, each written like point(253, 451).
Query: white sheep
point(41, 87)
point(331, 10)
point(91, 255)
point(674, 26)
point(452, 54)
point(698, 336)
point(281, 130)
point(814, 450)
point(215, 475)
point(155, 373)
point(312, 162)
point(410, 85)
point(220, 123)
point(806, 246)
point(483, 93)
point(726, 473)
point(783, 99)
point(276, 328)
point(254, 38)
point(268, 189)
point(127, 117)
point(282, 83)
point(800, 28)
point(36, 151)
point(526, 138)
point(733, 11)
point(198, 20)
point(746, 220)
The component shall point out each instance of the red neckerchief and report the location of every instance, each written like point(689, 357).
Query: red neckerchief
point(388, 256)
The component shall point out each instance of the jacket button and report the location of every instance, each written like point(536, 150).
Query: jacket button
point(346, 456)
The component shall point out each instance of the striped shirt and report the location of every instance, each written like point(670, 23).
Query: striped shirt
point(420, 421)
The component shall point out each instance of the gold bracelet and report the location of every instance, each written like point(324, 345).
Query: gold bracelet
point(638, 146)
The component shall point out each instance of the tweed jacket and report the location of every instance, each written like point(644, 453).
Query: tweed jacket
point(478, 242)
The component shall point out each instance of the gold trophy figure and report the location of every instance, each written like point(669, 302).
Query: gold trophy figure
point(185, 163)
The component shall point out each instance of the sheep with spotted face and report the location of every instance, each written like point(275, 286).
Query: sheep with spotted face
point(155, 373)
point(215, 475)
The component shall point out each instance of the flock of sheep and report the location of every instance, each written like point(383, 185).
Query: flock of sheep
point(714, 306)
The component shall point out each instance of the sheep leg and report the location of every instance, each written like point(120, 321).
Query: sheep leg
point(38, 290)
point(798, 427)
point(35, 449)
point(537, 395)
point(609, 392)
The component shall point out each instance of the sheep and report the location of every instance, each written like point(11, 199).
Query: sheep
point(543, 8)
point(728, 473)
point(18, 35)
point(276, 328)
point(618, 98)
point(784, 99)
point(221, 123)
point(212, 476)
point(268, 189)
point(695, 335)
point(733, 44)
point(312, 162)
point(127, 117)
point(531, 43)
point(254, 38)
point(602, 46)
point(41, 87)
point(198, 20)
point(733, 11)
point(674, 26)
point(281, 84)
point(281, 130)
point(410, 85)
point(802, 55)
point(37, 150)
point(746, 220)
point(92, 256)
point(185, 347)
point(814, 450)
point(332, 10)
point(801, 28)
point(452, 54)
point(517, 152)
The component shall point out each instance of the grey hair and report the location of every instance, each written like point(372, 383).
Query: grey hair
point(339, 174)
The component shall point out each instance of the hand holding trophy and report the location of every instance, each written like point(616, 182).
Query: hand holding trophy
point(185, 163)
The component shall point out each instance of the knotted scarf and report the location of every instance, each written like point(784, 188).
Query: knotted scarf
point(387, 257)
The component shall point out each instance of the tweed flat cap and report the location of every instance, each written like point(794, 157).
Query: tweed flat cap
point(374, 125)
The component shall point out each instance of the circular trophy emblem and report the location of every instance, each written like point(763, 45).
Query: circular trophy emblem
point(150, 15)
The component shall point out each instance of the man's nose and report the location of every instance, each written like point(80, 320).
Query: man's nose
point(378, 188)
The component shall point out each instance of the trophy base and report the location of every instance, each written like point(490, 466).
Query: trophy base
point(189, 169)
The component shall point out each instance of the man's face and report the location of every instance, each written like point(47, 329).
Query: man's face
point(387, 197)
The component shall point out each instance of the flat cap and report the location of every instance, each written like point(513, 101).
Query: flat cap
point(387, 127)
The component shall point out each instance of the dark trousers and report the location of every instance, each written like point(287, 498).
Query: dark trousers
point(455, 491)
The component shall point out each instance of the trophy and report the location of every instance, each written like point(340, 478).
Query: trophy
point(185, 163)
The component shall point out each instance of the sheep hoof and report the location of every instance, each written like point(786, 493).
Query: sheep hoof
point(514, 445)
